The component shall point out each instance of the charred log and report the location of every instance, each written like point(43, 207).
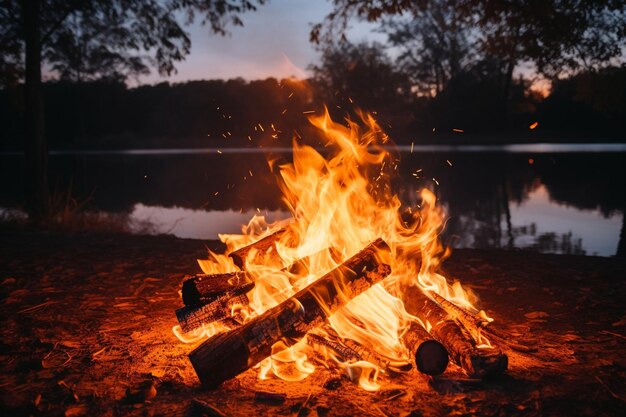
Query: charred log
point(227, 355)
point(431, 357)
point(344, 353)
point(203, 289)
point(475, 362)
point(218, 310)
point(478, 325)
point(263, 249)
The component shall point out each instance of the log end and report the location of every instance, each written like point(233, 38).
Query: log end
point(431, 358)
point(191, 295)
point(225, 357)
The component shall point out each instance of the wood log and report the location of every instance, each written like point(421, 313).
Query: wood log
point(377, 359)
point(265, 248)
point(479, 325)
point(431, 357)
point(478, 363)
point(344, 353)
point(202, 289)
point(229, 354)
point(200, 292)
point(192, 317)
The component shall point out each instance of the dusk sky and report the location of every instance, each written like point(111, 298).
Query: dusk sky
point(274, 42)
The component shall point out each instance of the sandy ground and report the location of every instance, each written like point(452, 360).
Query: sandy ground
point(86, 330)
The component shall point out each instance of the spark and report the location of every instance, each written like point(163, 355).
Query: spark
point(457, 130)
point(250, 172)
point(436, 182)
point(533, 125)
point(448, 161)
point(284, 111)
point(218, 151)
point(308, 112)
point(412, 144)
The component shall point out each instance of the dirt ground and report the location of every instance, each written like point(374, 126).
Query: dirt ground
point(86, 330)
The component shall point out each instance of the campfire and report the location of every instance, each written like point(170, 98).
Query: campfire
point(351, 281)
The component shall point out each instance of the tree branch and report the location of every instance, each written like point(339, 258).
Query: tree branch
point(56, 26)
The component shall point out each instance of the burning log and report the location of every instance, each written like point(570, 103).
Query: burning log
point(192, 317)
point(228, 354)
point(202, 289)
point(263, 247)
point(431, 357)
point(345, 353)
point(475, 362)
point(350, 351)
point(478, 324)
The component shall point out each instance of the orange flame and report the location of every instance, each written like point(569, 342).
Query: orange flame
point(340, 203)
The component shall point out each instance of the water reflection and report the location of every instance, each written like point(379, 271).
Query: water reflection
point(549, 202)
point(195, 224)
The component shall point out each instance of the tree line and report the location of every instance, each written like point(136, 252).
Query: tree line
point(104, 114)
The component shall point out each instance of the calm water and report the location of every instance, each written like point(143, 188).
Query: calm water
point(559, 198)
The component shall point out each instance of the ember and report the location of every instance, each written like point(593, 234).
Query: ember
point(352, 279)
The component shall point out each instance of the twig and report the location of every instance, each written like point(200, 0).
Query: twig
point(609, 390)
point(37, 307)
point(613, 334)
point(206, 408)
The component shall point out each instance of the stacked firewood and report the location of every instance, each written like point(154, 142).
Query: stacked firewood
point(211, 298)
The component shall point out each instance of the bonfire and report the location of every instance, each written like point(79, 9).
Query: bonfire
point(352, 280)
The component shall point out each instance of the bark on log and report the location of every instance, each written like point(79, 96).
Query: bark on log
point(229, 354)
point(264, 249)
point(475, 362)
point(345, 353)
point(431, 357)
point(192, 317)
point(479, 325)
point(203, 289)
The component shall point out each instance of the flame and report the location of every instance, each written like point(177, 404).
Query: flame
point(339, 203)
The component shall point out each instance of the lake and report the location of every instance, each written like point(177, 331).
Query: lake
point(552, 198)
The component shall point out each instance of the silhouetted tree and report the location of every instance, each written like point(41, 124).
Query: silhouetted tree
point(435, 43)
point(94, 38)
point(557, 36)
point(365, 75)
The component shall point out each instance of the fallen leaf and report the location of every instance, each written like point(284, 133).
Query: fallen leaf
point(536, 315)
point(76, 410)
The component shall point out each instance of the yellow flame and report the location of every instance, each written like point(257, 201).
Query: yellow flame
point(339, 203)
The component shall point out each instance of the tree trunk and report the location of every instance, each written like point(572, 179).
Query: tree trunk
point(506, 92)
point(35, 147)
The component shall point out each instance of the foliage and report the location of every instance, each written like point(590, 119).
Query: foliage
point(111, 38)
point(435, 43)
point(555, 35)
point(364, 76)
